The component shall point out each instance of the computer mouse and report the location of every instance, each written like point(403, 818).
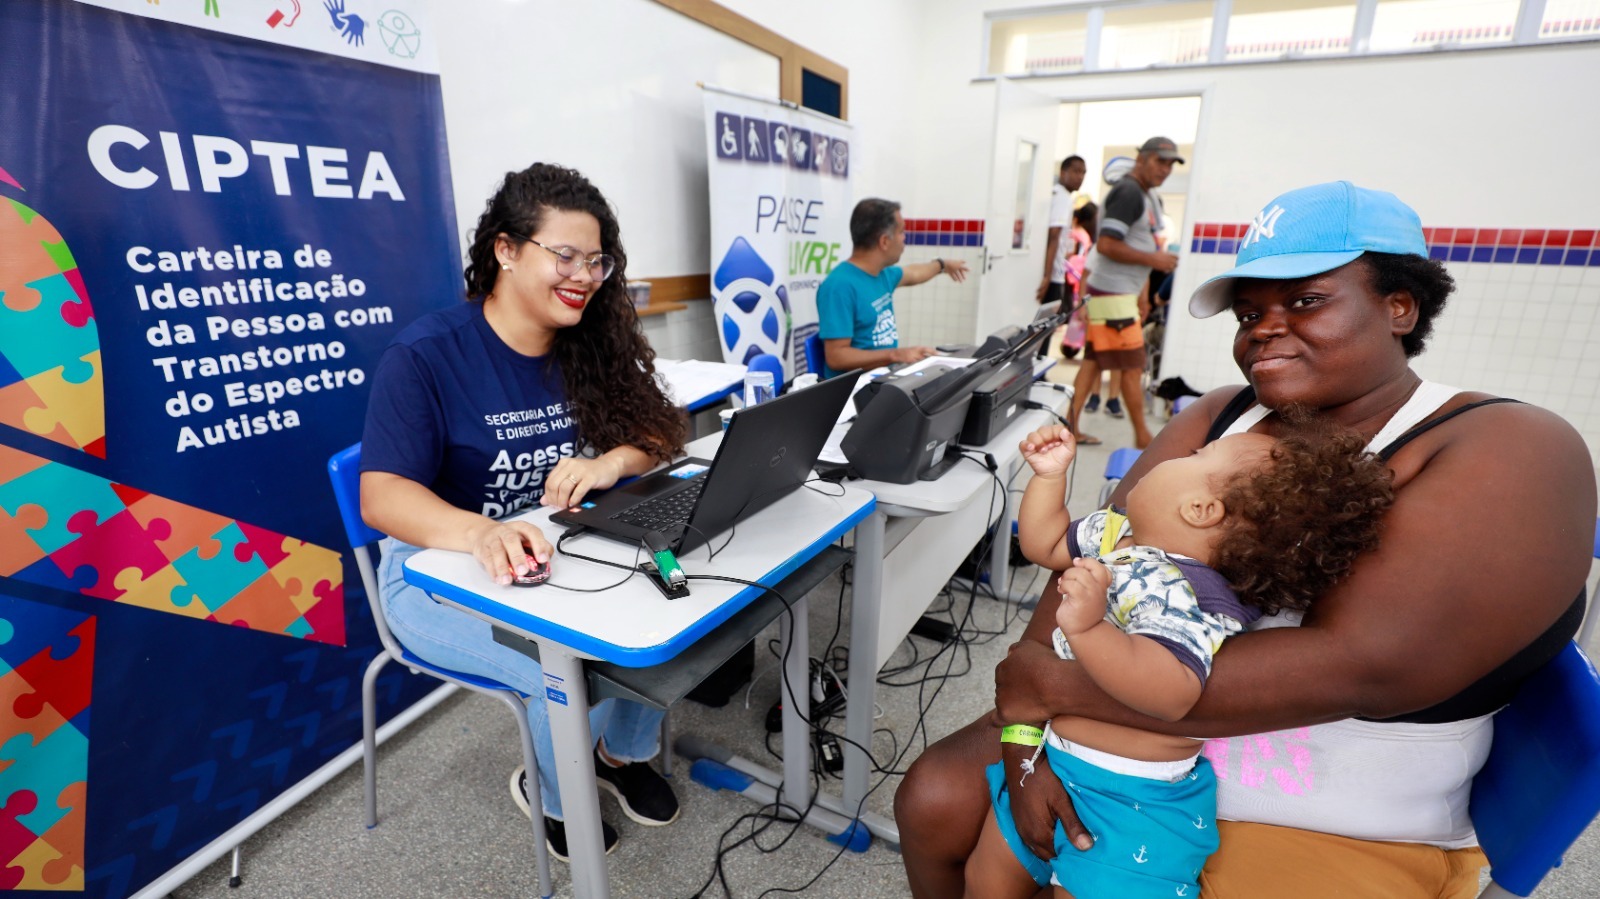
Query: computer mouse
point(538, 574)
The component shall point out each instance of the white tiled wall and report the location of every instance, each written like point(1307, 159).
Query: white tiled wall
point(940, 311)
point(687, 334)
point(1523, 331)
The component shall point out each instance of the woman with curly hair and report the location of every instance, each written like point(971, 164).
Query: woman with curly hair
point(1345, 740)
point(539, 389)
point(1247, 526)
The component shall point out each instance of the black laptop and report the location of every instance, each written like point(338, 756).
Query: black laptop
point(767, 452)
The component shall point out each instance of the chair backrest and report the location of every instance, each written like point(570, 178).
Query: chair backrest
point(769, 363)
point(1540, 787)
point(1121, 460)
point(1182, 402)
point(814, 359)
point(344, 470)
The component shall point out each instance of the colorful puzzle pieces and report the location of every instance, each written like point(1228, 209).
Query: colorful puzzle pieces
point(50, 381)
point(67, 529)
point(44, 748)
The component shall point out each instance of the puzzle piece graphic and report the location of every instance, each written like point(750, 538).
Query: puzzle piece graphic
point(326, 618)
point(8, 374)
point(15, 837)
point(156, 592)
point(78, 408)
point(191, 527)
point(61, 490)
point(15, 463)
point(309, 565)
point(41, 719)
point(18, 400)
point(77, 314)
point(62, 675)
point(269, 545)
point(265, 605)
point(111, 545)
point(217, 577)
point(66, 837)
point(17, 548)
point(40, 339)
point(29, 628)
point(25, 258)
point(45, 768)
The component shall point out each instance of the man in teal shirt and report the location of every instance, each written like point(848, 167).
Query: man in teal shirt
point(855, 304)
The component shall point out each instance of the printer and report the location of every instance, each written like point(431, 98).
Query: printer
point(910, 424)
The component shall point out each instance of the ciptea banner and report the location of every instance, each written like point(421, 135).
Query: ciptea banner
point(213, 218)
point(780, 221)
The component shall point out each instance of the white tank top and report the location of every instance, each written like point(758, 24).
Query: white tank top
point(1396, 782)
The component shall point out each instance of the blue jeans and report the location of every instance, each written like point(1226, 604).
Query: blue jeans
point(456, 641)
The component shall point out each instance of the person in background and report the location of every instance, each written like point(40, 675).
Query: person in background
point(538, 390)
point(1062, 226)
point(855, 304)
point(1085, 222)
point(1119, 265)
point(1378, 706)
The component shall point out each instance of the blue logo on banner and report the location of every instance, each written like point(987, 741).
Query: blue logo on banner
point(752, 310)
point(555, 695)
point(755, 140)
point(839, 157)
point(778, 140)
point(799, 148)
point(728, 146)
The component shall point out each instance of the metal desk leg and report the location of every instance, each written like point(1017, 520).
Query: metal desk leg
point(567, 700)
point(795, 636)
point(865, 608)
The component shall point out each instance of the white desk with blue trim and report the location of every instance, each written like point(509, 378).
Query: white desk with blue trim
point(634, 626)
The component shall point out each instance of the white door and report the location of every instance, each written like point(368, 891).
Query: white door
point(1023, 167)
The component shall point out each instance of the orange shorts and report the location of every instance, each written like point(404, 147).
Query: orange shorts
point(1258, 860)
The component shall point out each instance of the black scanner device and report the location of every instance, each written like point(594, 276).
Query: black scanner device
point(906, 425)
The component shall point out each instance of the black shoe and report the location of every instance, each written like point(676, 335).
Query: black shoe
point(1093, 405)
point(1114, 407)
point(555, 837)
point(555, 832)
point(645, 795)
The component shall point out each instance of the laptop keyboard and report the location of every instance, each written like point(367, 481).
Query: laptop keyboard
point(667, 514)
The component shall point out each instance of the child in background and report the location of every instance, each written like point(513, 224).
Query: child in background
point(1085, 222)
point(1246, 526)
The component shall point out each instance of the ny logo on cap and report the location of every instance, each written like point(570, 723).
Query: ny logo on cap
point(1266, 221)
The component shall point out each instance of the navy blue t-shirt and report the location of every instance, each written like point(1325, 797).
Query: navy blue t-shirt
point(460, 412)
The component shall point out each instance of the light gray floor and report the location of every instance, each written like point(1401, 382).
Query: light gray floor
point(448, 827)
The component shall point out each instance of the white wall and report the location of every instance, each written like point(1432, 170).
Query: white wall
point(1486, 139)
point(606, 87)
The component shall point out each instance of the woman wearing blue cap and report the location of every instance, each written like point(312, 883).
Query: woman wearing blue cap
point(1344, 744)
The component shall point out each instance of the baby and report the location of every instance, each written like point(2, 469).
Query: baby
point(1246, 526)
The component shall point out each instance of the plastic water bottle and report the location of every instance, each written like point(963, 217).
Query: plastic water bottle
point(758, 388)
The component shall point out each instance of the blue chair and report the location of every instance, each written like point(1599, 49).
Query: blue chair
point(1589, 617)
point(1117, 467)
point(1540, 787)
point(769, 363)
point(815, 361)
point(344, 469)
point(1179, 404)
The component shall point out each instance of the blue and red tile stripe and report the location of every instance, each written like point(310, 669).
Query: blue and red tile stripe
point(1516, 246)
point(944, 232)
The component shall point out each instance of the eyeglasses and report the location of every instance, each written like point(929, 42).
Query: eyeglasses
point(568, 259)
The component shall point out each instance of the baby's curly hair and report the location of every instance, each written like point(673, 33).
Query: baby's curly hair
point(1295, 526)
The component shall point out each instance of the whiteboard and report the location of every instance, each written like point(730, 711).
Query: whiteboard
point(606, 87)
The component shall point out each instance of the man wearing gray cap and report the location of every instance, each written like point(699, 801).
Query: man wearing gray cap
point(1119, 269)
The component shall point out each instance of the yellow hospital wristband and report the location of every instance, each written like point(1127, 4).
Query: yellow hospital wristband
point(1022, 735)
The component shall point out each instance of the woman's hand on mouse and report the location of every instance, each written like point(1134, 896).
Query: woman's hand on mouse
point(572, 479)
point(507, 547)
